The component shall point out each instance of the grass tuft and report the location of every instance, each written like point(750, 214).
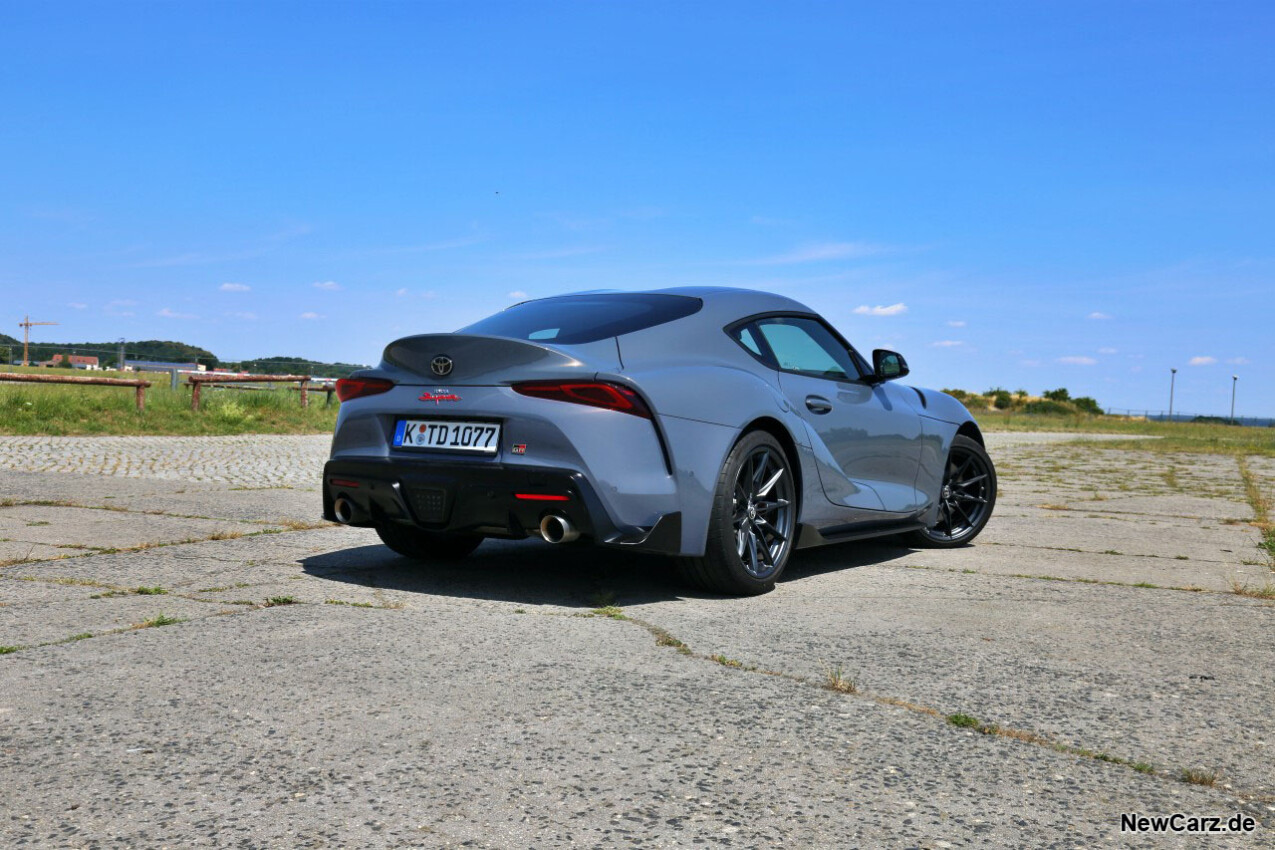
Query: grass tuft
point(610, 611)
point(275, 601)
point(1207, 778)
point(1266, 591)
point(157, 621)
point(835, 680)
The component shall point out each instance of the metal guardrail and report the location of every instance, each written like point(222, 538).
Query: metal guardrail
point(138, 385)
point(197, 382)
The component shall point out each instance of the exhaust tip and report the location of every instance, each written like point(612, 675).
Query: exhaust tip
point(558, 529)
point(343, 510)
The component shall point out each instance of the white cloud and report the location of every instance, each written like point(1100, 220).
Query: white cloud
point(1097, 315)
point(1077, 361)
point(1234, 361)
point(947, 343)
point(328, 286)
point(1108, 351)
point(400, 292)
point(1202, 361)
point(518, 295)
point(234, 287)
point(822, 251)
point(76, 305)
point(956, 323)
point(310, 315)
point(173, 314)
point(892, 310)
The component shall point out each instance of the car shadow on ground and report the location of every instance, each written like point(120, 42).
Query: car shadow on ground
point(533, 572)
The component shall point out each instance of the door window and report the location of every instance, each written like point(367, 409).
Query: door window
point(806, 346)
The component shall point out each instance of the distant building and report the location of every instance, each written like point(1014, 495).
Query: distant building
point(160, 366)
point(79, 361)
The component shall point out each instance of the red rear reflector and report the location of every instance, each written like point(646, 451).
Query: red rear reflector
point(592, 394)
point(343, 482)
point(541, 497)
point(350, 388)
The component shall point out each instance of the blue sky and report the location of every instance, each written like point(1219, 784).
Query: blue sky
point(1025, 195)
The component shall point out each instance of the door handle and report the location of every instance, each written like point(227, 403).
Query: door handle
point(818, 404)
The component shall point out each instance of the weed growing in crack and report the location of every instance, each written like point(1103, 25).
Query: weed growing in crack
point(835, 680)
point(1207, 778)
point(663, 638)
point(1266, 591)
point(150, 591)
point(158, 620)
point(275, 601)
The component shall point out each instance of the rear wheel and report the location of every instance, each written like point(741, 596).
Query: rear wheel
point(966, 500)
point(422, 545)
point(751, 527)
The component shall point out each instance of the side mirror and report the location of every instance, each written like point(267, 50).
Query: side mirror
point(888, 365)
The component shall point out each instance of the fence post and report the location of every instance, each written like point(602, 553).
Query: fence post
point(327, 402)
point(194, 393)
point(141, 398)
point(305, 396)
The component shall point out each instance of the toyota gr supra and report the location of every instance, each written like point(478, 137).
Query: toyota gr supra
point(725, 427)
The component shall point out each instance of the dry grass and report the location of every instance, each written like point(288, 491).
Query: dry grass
point(835, 680)
point(1266, 591)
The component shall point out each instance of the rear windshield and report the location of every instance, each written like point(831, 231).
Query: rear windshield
point(575, 319)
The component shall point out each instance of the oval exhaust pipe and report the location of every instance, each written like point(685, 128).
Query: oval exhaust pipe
point(343, 510)
point(558, 529)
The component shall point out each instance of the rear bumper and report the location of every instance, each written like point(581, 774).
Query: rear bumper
point(482, 499)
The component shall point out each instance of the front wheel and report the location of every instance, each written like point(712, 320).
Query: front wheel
point(966, 499)
point(752, 523)
point(422, 545)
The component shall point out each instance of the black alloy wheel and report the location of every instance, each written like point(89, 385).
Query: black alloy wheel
point(752, 527)
point(966, 498)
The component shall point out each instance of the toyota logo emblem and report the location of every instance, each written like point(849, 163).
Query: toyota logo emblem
point(441, 365)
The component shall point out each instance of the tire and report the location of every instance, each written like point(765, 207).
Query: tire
point(421, 545)
point(752, 525)
point(966, 499)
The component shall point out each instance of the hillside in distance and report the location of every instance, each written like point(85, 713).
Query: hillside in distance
point(169, 351)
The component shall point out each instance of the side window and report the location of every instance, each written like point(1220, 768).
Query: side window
point(806, 346)
point(744, 336)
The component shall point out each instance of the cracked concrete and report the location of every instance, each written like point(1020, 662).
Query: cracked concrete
point(482, 703)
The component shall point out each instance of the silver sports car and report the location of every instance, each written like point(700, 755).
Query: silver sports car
point(722, 426)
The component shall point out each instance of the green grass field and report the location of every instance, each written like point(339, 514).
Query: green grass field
point(1174, 436)
point(68, 410)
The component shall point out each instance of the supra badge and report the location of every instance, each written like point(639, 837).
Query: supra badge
point(439, 395)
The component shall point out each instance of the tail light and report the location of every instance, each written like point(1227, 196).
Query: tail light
point(348, 388)
point(592, 394)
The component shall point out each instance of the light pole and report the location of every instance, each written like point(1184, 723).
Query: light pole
point(1234, 380)
point(1173, 377)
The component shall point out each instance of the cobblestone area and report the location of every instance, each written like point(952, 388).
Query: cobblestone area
point(253, 460)
point(243, 461)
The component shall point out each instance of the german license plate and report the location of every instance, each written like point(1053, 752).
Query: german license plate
point(447, 435)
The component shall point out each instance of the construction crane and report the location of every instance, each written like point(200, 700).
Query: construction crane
point(26, 334)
